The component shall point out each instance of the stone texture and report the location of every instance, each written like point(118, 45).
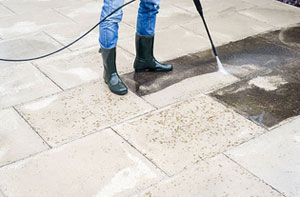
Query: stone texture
point(80, 111)
point(171, 43)
point(223, 30)
point(190, 87)
point(81, 67)
point(274, 157)
point(22, 83)
point(18, 25)
point(268, 13)
point(17, 139)
point(27, 47)
point(99, 165)
point(217, 176)
point(185, 133)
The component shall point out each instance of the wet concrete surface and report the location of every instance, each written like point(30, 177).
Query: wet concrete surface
point(241, 58)
point(267, 99)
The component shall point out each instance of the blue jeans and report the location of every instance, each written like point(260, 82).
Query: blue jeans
point(108, 30)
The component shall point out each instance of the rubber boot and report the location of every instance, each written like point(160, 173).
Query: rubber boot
point(110, 75)
point(144, 60)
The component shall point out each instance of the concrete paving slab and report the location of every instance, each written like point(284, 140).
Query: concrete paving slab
point(190, 87)
point(18, 140)
point(224, 30)
point(28, 46)
point(274, 157)
point(81, 67)
point(268, 13)
point(288, 37)
point(259, 2)
point(181, 42)
point(268, 99)
point(80, 111)
point(87, 13)
point(33, 6)
point(22, 83)
point(1, 194)
point(18, 25)
point(98, 165)
point(185, 133)
point(217, 176)
point(151, 82)
point(5, 12)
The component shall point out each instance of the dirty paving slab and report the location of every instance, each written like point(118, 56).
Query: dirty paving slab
point(111, 168)
point(274, 157)
point(80, 111)
point(185, 133)
point(268, 99)
point(17, 139)
point(217, 176)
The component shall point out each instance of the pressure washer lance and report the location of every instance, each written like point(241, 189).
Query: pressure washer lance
point(52, 53)
point(199, 9)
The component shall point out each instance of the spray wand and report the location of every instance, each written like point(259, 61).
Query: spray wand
point(200, 10)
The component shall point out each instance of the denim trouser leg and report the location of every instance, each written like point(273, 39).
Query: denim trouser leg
point(108, 30)
point(147, 17)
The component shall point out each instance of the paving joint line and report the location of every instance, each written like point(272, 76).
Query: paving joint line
point(254, 175)
point(66, 17)
point(31, 127)
point(62, 44)
point(43, 73)
point(153, 163)
point(8, 8)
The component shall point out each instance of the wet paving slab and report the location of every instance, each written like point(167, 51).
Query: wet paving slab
point(241, 59)
point(267, 99)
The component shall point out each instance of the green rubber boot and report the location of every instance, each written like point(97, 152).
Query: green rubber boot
point(110, 74)
point(144, 60)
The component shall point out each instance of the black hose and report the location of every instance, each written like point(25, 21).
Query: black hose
point(52, 53)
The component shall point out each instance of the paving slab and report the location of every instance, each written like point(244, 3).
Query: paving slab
point(28, 46)
point(217, 176)
point(268, 99)
point(268, 13)
point(274, 157)
point(80, 111)
point(98, 165)
point(1, 194)
point(5, 12)
point(182, 134)
point(171, 43)
point(190, 87)
point(18, 140)
point(18, 25)
point(87, 13)
point(22, 83)
point(82, 66)
point(223, 30)
point(288, 37)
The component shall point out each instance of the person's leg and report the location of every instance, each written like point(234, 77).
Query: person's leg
point(108, 38)
point(144, 39)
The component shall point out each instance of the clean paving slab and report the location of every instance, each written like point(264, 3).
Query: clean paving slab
point(1, 194)
point(274, 157)
point(22, 83)
point(82, 66)
point(80, 111)
point(217, 176)
point(19, 25)
point(184, 133)
point(27, 46)
point(224, 30)
point(190, 87)
point(99, 165)
point(269, 13)
point(18, 140)
point(171, 43)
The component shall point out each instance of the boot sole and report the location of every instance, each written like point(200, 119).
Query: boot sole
point(151, 70)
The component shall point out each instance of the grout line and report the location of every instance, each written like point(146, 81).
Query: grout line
point(31, 127)
point(56, 40)
point(8, 8)
point(141, 153)
point(253, 174)
point(43, 73)
point(61, 14)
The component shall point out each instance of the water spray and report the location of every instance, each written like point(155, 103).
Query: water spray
point(200, 10)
